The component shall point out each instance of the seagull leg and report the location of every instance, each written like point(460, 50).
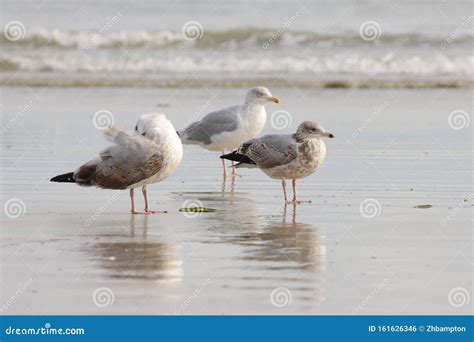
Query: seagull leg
point(223, 167)
point(293, 183)
point(132, 199)
point(283, 185)
point(295, 201)
point(234, 170)
point(145, 197)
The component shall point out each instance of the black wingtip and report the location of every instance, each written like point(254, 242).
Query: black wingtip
point(235, 156)
point(64, 178)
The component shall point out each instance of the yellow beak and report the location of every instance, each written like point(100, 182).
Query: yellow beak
point(274, 99)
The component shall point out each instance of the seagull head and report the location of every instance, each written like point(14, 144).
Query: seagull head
point(153, 123)
point(260, 95)
point(311, 129)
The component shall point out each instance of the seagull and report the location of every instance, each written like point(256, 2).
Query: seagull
point(285, 156)
point(225, 129)
point(147, 156)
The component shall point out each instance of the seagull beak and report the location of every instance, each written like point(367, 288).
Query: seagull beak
point(330, 135)
point(274, 99)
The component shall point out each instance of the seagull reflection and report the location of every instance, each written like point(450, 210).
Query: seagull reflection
point(283, 245)
point(139, 256)
point(231, 190)
point(276, 250)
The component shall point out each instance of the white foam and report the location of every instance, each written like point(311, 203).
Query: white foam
point(228, 39)
point(182, 63)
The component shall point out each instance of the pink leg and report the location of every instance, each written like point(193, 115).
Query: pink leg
point(293, 183)
point(223, 167)
point(295, 201)
point(145, 197)
point(234, 170)
point(132, 198)
point(283, 184)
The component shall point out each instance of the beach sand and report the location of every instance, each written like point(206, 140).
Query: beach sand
point(394, 150)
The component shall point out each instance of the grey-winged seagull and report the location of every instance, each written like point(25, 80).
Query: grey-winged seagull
point(147, 156)
point(285, 156)
point(225, 129)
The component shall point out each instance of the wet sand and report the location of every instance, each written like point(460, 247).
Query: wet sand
point(394, 146)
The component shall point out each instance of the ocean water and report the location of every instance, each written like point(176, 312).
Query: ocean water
point(321, 43)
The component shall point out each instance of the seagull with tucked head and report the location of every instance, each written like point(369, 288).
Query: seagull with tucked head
point(146, 156)
point(225, 129)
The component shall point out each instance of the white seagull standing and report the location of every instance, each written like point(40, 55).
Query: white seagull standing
point(285, 156)
point(225, 129)
point(137, 159)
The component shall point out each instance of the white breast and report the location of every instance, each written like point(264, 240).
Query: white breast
point(251, 124)
point(253, 121)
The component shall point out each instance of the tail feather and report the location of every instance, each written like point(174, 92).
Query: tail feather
point(64, 178)
point(235, 156)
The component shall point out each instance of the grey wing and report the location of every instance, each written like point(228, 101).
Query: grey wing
point(271, 150)
point(130, 160)
point(225, 120)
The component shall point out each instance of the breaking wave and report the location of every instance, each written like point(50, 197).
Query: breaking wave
point(232, 39)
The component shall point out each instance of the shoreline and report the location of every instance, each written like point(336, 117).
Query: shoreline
point(55, 80)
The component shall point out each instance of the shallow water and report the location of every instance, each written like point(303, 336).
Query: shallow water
point(326, 254)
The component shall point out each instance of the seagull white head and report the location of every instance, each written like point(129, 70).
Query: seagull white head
point(260, 95)
point(310, 129)
point(154, 124)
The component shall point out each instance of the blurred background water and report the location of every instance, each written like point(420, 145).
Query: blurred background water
point(323, 43)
